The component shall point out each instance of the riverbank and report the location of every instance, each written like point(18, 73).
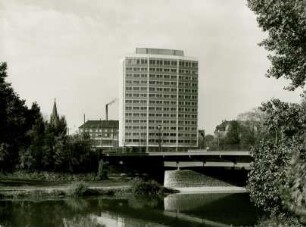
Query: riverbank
point(75, 189)
point(53, 185)
point(117, 185)
point(210, 189)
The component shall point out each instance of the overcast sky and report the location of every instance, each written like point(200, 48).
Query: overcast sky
point(71, 50)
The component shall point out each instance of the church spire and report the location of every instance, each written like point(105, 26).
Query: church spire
point(54, 118)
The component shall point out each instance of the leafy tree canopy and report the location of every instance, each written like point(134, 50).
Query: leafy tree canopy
point(285, 22)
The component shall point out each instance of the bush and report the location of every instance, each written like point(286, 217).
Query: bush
point(78, 189)
point(148, 188)
point(279, 220)
point(267, 176)
point(49, 176)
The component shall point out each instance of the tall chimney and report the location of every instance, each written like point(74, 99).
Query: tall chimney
point(106, 108)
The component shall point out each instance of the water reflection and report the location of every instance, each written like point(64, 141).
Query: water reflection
point(174, 210)
point(212, 209)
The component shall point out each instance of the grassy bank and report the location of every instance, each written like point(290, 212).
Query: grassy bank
point(74, 190)
point(47, 176)
point(115, 186)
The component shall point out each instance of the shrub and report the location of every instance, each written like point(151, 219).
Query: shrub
point(78, 189)
point(267, 176)
point(279, 220)
point(149, 188)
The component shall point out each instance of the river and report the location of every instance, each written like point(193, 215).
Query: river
point(175, 210)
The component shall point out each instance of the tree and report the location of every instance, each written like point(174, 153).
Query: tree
point(14, 123)
point(242, 133)
point(271, 176)
point(265, 189)
point(31, 157)
point(285, 22)
point(256, 115)
point(232, 138)
point(209, 141)
point(80, 153)
point(284, 129)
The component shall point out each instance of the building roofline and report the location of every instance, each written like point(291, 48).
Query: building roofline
point(99, 123)
point(159, 51)
point(158, 56)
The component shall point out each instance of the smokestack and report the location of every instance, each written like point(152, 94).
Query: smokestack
point(106, 108)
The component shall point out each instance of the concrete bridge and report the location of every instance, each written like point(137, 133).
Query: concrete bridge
point(229, 166)
point(192, 158)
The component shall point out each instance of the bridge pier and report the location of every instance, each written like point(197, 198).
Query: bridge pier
point(189, 178)
point(204, 178)
point(169, 178)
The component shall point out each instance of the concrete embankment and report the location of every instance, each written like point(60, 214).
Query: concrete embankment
point(187, 181)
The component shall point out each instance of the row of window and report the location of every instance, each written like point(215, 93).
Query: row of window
point(167, 96)
point(163, 141)
point(157, 128)
point(157, 95)
point(167, 62)
point(143, 108)
point(159, 76)
point(159, 83)
point(166, 102)
point(136, 69)
point(100, 130)
point(142, 95)
point(173, 115)
point(173, 134)
point(166, 83)
point(159, 88)
point(187, 122)
point(96, 135)
point(136, 61)
point(165, 70)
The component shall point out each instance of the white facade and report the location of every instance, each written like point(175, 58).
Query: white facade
point(158, 99)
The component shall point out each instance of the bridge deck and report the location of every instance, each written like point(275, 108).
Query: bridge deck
point(235, 159)
point(203, 153)
point(189, 153)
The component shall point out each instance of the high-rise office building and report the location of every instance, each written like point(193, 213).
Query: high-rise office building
point(158, 100)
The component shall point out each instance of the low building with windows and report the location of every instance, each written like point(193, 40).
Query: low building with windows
point(103, 133)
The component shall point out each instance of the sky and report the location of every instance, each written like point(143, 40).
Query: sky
point(70, 51)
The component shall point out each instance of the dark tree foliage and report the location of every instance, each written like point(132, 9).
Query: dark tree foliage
point(285, 22)
point(209, 142)
point(81, 158)
point(237, 134)
point(277, 184)
point(27, 142)
point(273, 179)
point(232, 137)
point(15, 121)
point(283, 119)
point(248, 136)
point(30, 158)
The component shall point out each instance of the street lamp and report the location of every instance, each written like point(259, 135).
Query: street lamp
point(159, 127)
point(202, 133)
point(218, 137)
